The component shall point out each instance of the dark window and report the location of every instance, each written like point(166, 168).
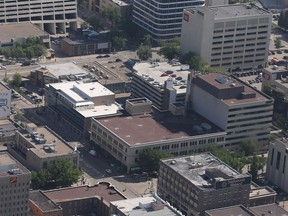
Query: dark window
point(278, 160)
point(284, 164)
point(272, 157)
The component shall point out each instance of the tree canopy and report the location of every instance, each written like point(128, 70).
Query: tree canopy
point(283, 19)
point(278, 42)
point(170, 49)
point(149, 159)
point(92, 21)
point(144, 52)
point(59, 174)
point(118, 42)
point(31, 48)
point(112, 15)
point(195, 62)
point(17, 80)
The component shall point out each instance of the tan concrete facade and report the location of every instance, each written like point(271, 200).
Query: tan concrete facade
point(232, 37)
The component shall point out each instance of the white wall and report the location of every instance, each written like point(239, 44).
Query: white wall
point(209, 107)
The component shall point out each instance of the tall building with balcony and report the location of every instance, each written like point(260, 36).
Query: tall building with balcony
point(234, 37)
point(14, 184)
point(242, 111)
point(200, 182)
point(55, 17)
point(161, 18)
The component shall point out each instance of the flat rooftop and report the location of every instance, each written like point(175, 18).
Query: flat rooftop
point(54, 145)
point(7, 162)
point(230, 211)
point(42, 201)
point(202, 169)
point(156, 126)
point(231, 90)
point(7, 128)
point(3, 87)
point(62, 69)
point(102, 189)
point(269, 209)
point(142, 206)
point(238, 10)
point(261, 192)
point(19, 30)
point(79, 91)
point(157, 73)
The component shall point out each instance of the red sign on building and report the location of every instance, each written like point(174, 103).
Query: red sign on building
point(13, 179)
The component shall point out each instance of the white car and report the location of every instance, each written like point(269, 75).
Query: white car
point(109, 171)
point(92, 152)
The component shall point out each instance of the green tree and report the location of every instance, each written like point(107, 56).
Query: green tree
point(195, 62)
point(170, 49)
point(112, 15)
point(278, 42)
point(149, 159)
point(118, 42)
point(254, 167)
point(225, 156)
point(93, 21)
point(283, 19)
point(147, 39)
point(144, 52)
point(17, 80)
point(249, 148)
point(59, 174)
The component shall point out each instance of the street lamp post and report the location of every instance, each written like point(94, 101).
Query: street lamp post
point(3, 67)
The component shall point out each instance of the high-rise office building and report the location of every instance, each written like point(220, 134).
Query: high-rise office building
point(234, 37)
point(161, 18)
point(53, 16)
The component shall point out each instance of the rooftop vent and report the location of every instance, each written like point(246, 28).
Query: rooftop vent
point(173, 162)
point(14, 171)
point(222, 79)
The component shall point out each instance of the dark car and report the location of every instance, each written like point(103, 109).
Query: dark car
point(118, 60)
point(279, 51)
point(27, 92)
point(106, 56)
point(38, 100)
point(100, 56)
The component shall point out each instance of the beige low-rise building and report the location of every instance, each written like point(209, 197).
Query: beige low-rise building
point(39, 147)
point(126, 135)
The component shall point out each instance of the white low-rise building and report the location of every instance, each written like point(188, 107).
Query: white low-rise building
point(75, 103)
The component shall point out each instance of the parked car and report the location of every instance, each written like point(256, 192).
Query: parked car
point(38, 100)
point(118, 60)
point(279, 52)
point(106, 56)
point(100, 56)
point(109, 171)
point(92, 152)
